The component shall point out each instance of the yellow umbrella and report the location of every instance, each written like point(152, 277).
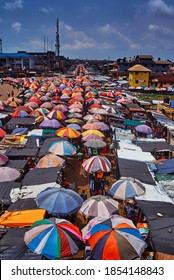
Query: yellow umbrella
point(93, 131)
point(74, 120)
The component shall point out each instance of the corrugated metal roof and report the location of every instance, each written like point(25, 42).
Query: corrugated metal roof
point(17, 55)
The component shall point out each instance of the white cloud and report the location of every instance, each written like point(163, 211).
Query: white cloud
point(161, 29)
point(160, 7)
point(16, 4)
point(46, 10)
point(153, 27)
point(107, 29)
point(16, 26)
point(78, 45)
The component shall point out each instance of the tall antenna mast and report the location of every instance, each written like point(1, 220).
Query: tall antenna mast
point(0, 45)
point(57, 45)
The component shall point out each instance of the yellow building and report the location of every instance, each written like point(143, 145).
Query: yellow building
point(139, 76)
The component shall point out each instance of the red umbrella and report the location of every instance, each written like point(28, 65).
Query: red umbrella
point(2, 133)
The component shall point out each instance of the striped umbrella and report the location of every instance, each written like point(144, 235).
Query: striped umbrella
point(91, 136)
point(54, 238)
point(97, 163)
point(62, 148)
point(3, 159)
point(93, 131)
point(89, 126)
point(75, 126)
point(116, 239)
point(98, 205)
point(68, 132)
point(126, 188)
point(58, 115)
point(50, 160)
point(95, 143)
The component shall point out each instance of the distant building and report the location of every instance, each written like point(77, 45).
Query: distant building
point(138, 76)
point(157, 66)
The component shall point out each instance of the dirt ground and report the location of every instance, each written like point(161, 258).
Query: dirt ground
point(3, 91)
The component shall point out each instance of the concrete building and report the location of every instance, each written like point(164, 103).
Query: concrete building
point(138, 76)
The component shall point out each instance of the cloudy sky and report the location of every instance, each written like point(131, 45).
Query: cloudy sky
point(90, 29)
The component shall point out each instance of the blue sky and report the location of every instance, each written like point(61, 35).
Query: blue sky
point(90, 29)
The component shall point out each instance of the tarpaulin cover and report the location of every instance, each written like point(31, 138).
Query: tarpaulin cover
point(135, 169)
point(14, 248)
point(41, 176)
point(166, 167)
point(21, 218)
point(5, 189)
point(160, 218)
point(23, 204)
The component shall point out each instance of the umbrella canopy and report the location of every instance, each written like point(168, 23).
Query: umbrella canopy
point(93, 131)
point(68, 132)
point(97, 163)
point(58, 115)
point(91, 136)
point(116, 239)
point(3, 159)
point(126, 188)
point(143, 129)
point(53, 238)
point(2, 133)
point(98, 205)
point(21, 114)
point(62, 148)
point(50, 160)
point(95, 143)
point(8, 174)
point(74, 120)
point(75, 126)
point(50, 123)
point(59, 201)
point(102, 126)
point(91, 126)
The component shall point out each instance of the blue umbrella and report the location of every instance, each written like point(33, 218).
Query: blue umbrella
point(75, 126)
point(59, 201)
point(20, 131)
point(126, 188)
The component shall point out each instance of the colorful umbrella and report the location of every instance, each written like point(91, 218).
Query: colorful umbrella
point(3, 159)
point(50, 160)
point(47, 105)
point(93, 131)
point(58, 115)
point(8, 174)
point(43, 111)
point(95, 143)
point(61, 107)
point(97, 163)
point(91, 126)
point(75, 126)
point(50, 124)
point(91, 136)
point(68, 132)
point(2, 133)
point(114, 239)
point(59, 201)
point(53, 238)
point(102, 126)
point(98, 205)
point(21, 114)
point(143, 129)
point(74, 120)
point(62, 148)
point(126, 188)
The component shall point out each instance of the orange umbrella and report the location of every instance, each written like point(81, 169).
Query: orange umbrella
point(68, 132)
